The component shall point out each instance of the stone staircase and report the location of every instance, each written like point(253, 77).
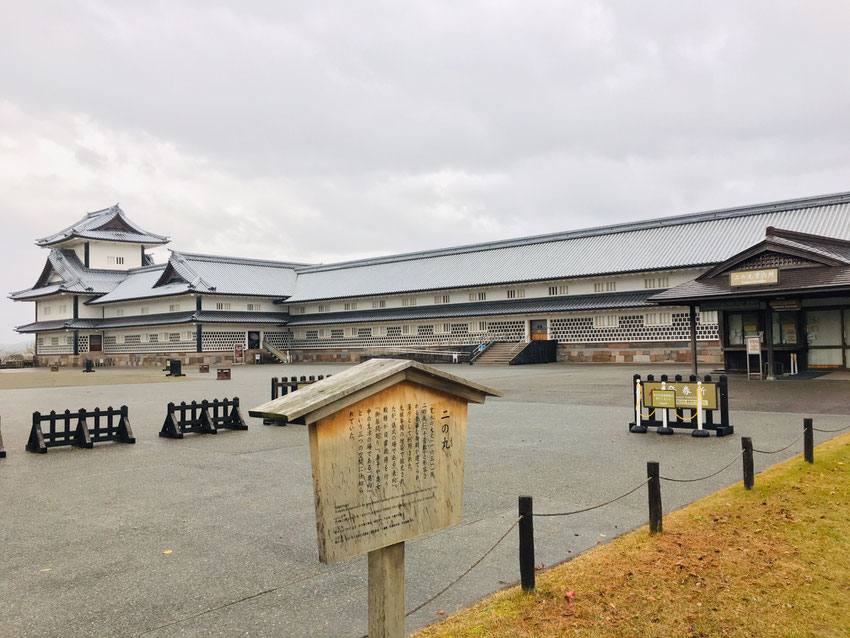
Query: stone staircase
point(500, 354)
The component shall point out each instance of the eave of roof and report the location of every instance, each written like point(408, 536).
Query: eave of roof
point(536, 305)
point(91, 227)
point(160, 319)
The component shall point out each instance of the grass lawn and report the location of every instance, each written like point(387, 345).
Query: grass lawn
point(774, 561)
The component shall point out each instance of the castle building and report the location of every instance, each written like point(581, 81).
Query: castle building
point(599, 293)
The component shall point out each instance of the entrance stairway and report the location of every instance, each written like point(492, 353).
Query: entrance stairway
point(277, 354)
point(500, 353)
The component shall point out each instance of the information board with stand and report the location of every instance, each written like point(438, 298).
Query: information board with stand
point(754, 349)
point(387, 445)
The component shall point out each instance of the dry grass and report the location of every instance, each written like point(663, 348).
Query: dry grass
point(774, 561)
point(24, 378)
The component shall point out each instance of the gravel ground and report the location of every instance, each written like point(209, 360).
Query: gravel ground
point(84, 533)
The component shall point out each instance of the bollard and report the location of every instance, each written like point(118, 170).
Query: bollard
point(808, 441)
point(638, 427)
point(526, 543)
point(654, 485)
point(749, 475)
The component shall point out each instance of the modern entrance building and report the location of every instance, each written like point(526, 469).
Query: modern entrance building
point(594, 292)
point(791, 291)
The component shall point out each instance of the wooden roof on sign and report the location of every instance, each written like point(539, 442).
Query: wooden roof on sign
point(332, 394)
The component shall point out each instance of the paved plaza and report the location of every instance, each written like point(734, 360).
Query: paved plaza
point(215, 535)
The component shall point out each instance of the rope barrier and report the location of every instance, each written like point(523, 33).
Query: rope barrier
point(596, 507)
point(648, 416)
point(471, 567)
point(836, 430)
point(681, 418)
point(702, 478)
point(782, 449)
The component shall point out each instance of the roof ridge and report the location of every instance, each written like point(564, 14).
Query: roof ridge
point(624, 227)
point(253, 260)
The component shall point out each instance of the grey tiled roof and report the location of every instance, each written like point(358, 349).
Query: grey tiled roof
point(91, 227)
point(833, 276)
point(162, 319)
point(76, 278)
point(540, 305)
point(208, 274)
point(674, 242)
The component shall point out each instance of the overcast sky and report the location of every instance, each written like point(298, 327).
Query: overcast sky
point(291, 131)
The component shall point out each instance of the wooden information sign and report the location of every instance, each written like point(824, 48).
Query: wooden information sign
point(387, 443)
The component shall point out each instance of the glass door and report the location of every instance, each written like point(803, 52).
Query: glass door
point(847, 337)
point(825, 335)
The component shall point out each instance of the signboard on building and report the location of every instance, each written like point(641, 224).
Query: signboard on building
point(763, 277)
point(686, 394)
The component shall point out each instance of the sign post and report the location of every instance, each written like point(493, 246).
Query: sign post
point(754, 348)
point(387, 444)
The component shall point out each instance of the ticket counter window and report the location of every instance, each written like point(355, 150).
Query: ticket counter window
point(785, 331)
point(742, 325)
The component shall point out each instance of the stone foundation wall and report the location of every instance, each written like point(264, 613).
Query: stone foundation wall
point(148, 360)
point(674, 352)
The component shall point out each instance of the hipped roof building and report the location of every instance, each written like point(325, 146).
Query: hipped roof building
point(596, 292)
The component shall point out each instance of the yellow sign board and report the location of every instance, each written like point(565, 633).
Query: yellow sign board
point(763, 277)
point(662, 399)
point(686, 394)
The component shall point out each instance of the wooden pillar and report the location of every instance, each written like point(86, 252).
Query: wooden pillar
point(693, 322)
point(386, 592)
point(768, 342)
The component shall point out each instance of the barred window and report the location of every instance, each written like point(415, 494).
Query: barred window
point(559, 290)
point(222, 305)
point(351, 305)
point(379, 303)
point(408, 301)
point(606, 321)
point(515, 293)
point(442, 299)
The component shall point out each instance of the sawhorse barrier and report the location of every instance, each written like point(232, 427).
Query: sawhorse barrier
point(206, 417)
point(666, 405)
point(107, 425)
point(282, 387)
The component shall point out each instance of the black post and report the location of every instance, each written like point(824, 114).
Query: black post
point(274, 388)
point(526, 543)
point(749, 474)
point(655, 514)
point(693, 324)
point(724, 400)
point(808, 441)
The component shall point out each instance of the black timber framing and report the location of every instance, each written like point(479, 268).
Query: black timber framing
point(198, 339)
point(86, 254)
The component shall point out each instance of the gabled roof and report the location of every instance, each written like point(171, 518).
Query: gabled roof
point(206, 274)
point(74, 277)
point(109, 224)
point(807, 263)
point(695, 240)
point(352, 385)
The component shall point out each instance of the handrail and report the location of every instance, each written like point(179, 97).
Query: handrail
point(475, 355)
point(275, 352)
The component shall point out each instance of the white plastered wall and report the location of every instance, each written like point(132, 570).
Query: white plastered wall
point(101, 251)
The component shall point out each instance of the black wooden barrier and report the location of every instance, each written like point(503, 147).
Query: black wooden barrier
point(281, 387)
point(106, 425)
point(716, 420)
point(206, 417)
point(89, 366)
point(175, 368)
